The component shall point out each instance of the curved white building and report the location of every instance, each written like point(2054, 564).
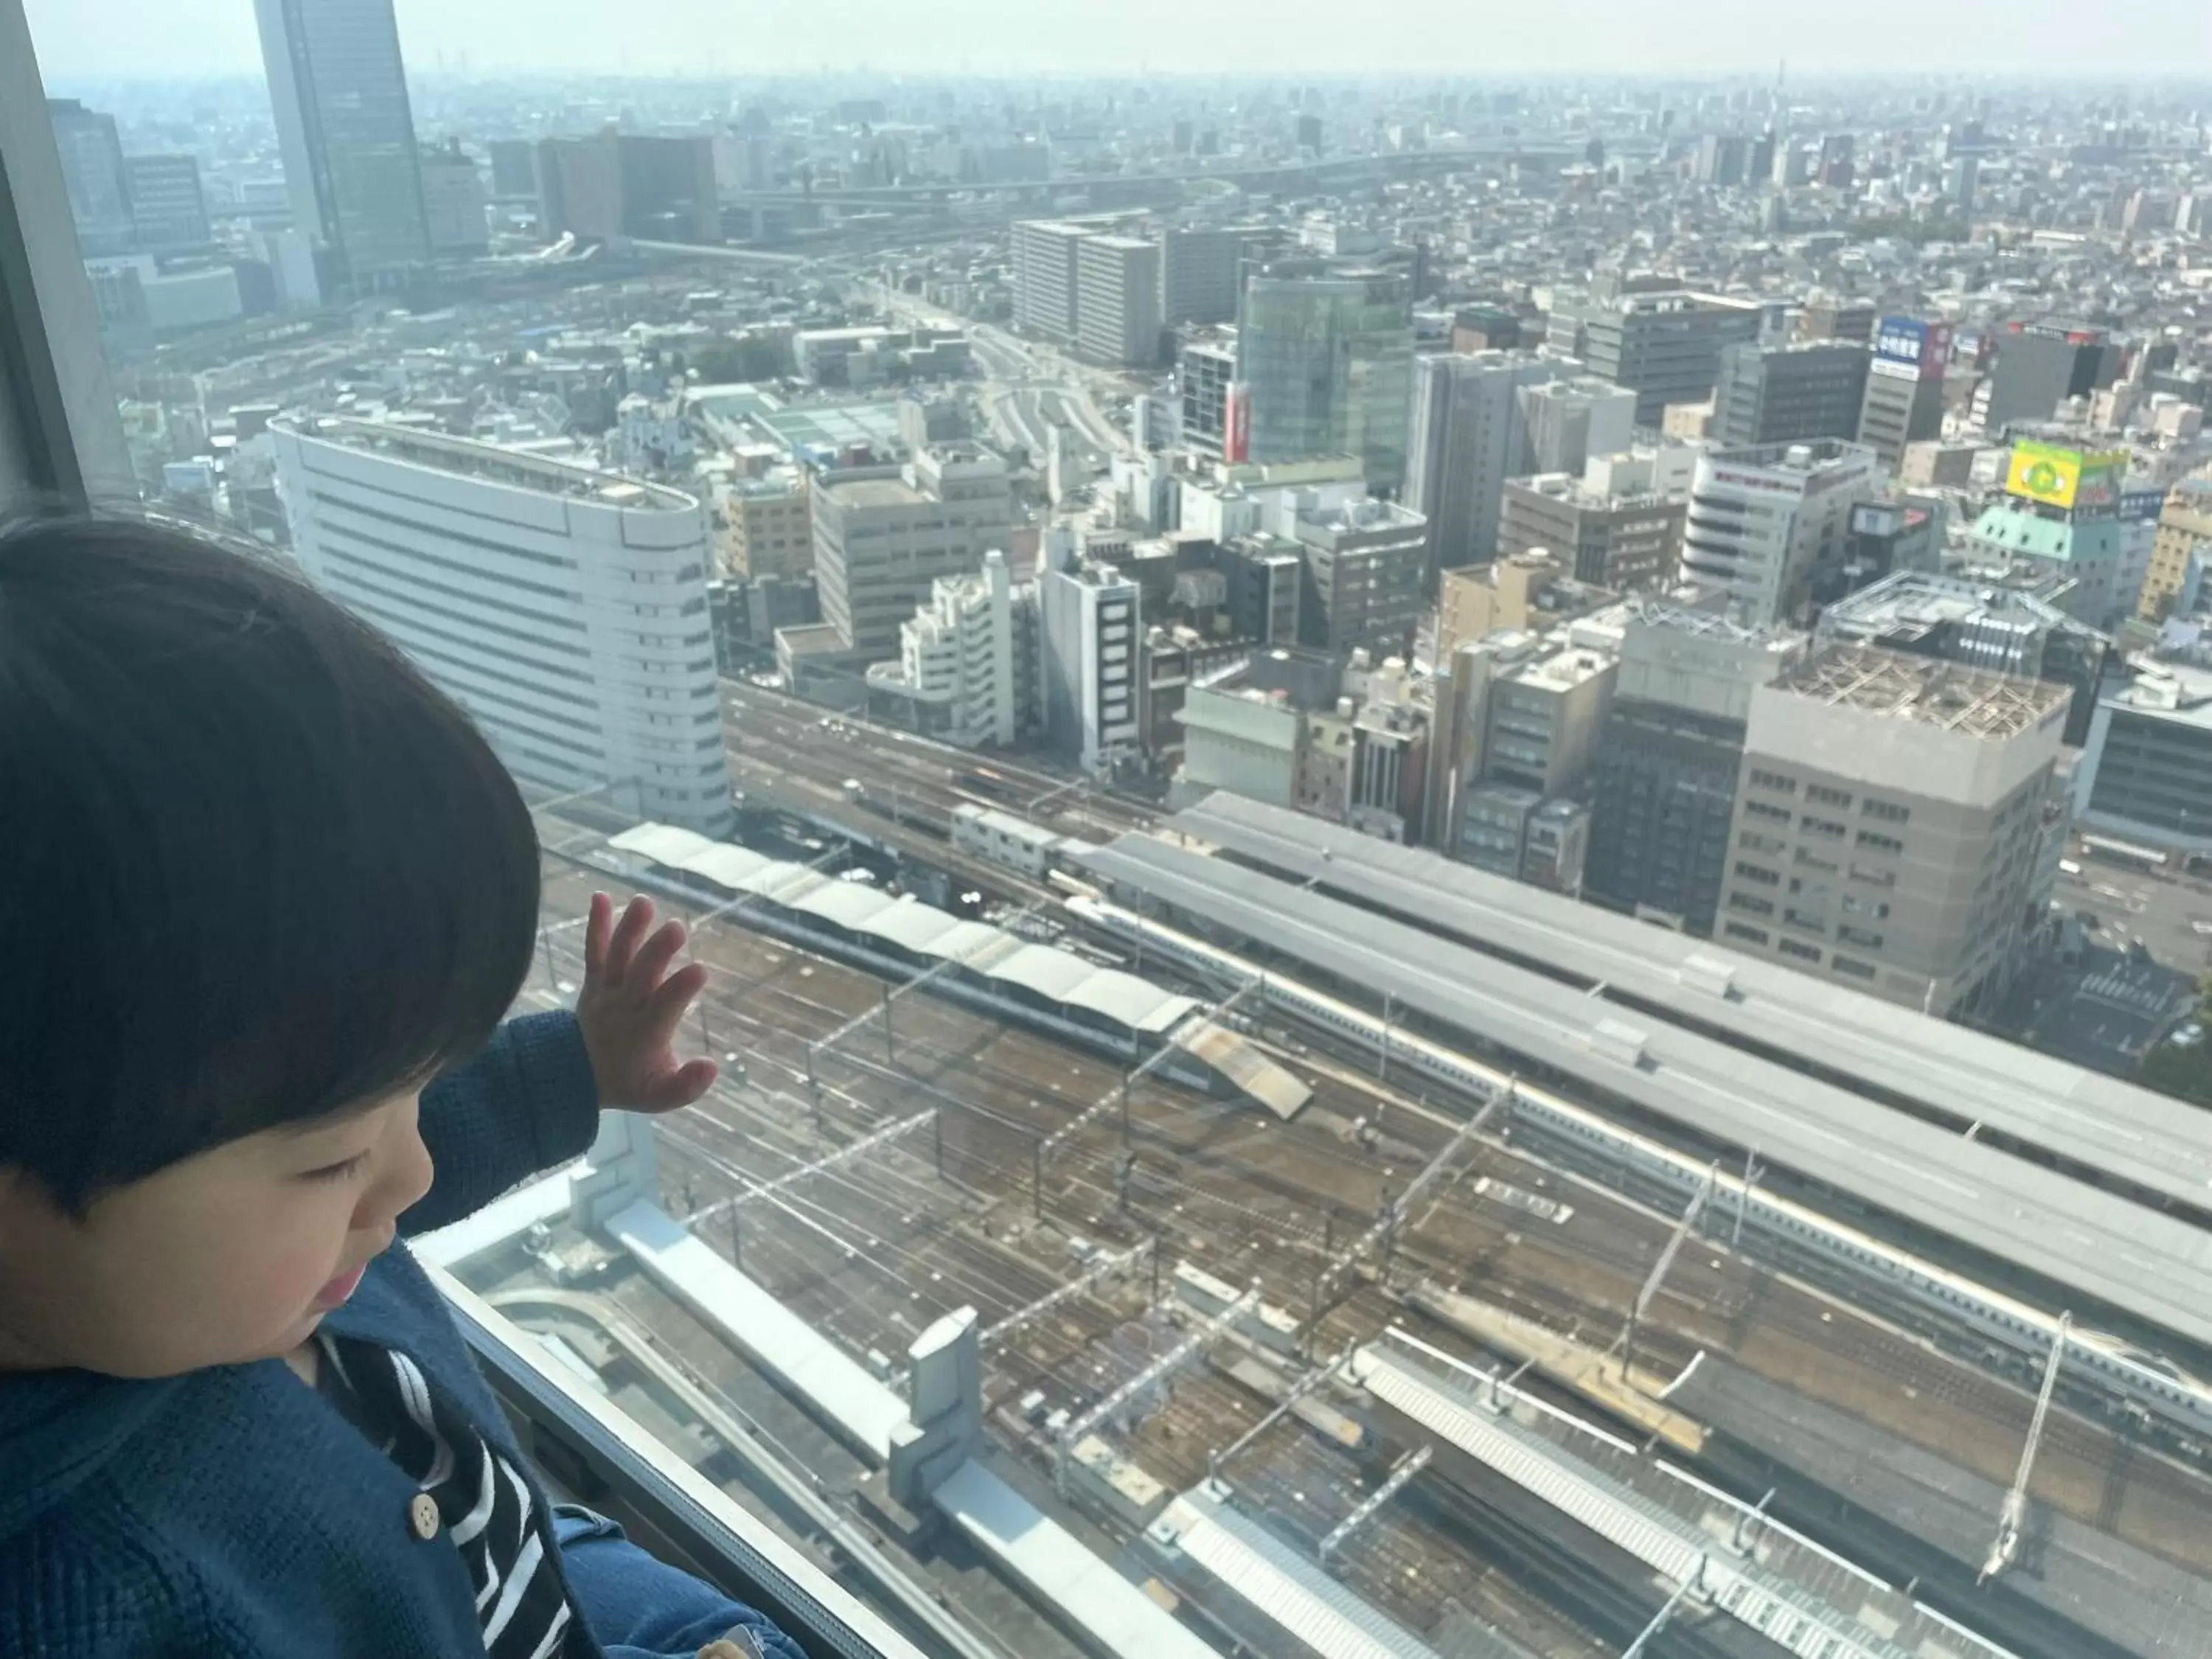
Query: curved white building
point(565, 609)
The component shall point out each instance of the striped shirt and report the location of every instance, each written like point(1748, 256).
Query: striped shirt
point(484, 1504)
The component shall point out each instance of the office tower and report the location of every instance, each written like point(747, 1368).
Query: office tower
point(1205, 370)
point(1836, 166)
point(1309, 133)
point(1663, 778)
point(93, 174)
point(580, 187)
point(514, 170)
point(1365, 575)
point(2145, 774)
point(1117, 305)
point(1199, 273)
point(1765, 522)
point(880, 543)
point(2059, 521)
point(1891, 824)
point(454, 200)
point(1046, 278)
point(966, 671)
point(2180, 551)
point(610, 185)
point(1904, 401)
point(346, 131)
point(1784, 394)
point(1329, 363)
point(1723, 160)
point(2039, 366)
point(1624, 541)
point(565, 609)
point(769, 525)
point(1467, 436)
point(1828, 316)
point(1567, 421)
point(1664, 345)
point(1092, 618)
point(2008, 631)
point(168, 211)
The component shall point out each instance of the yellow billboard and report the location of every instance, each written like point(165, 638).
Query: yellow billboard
point(2063, 477)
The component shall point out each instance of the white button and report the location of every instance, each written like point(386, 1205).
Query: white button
point(423, 1515)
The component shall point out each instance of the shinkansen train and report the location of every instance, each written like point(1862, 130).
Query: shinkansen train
point(2148, 1381)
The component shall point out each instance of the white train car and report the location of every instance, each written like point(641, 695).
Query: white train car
point(2149, 1381)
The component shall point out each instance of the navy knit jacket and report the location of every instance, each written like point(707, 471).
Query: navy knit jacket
point(231, 1510)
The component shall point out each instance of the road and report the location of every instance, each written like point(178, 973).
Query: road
point(2172, 915)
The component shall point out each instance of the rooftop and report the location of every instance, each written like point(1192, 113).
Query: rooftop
point(1942, 695)
point(493, 464)
point(1913, 604)
point(874, 492)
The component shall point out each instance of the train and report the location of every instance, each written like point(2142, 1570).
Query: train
point(2145, 1383)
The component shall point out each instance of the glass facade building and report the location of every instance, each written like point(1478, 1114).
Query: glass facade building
point(1330, 364)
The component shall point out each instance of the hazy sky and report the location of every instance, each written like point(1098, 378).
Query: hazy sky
point(167, 38)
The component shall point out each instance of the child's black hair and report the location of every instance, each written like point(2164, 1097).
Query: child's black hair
point(256, 867)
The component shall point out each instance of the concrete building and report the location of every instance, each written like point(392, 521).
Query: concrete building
point(2059, 519)
point(1627, 543)
point(1365, 567)
point(93, 176)
point(1532, 590)
point(514, 170)
point(1891, 824)
point(1545, 718)
point(1047, 276)
point(168, 209)
point(1205, 370)
point(967, 668)
point(2039, 366)
point(1663, 778)
point(1199, 271)
point(1664, 346)
point(1829, 317)
point(1328, 363)
point(1242, 738)
point(1092, 621)
point(565, 609)
point(1467, 436)
point(613, 184)
point(1790, 393)
point(2180, 550)
point(880, 543)
point(2146, 768)
point(453, 199)
point(1117, 306)
point(2005, 630)
point(1567, 420)
point(1764, 521)
point(767, 526)
point(345, 128)
point(1904, 401)
point(580, 187)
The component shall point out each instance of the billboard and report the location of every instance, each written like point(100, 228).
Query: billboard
point(1237, 436)
point(1922, 346)
point(2069, 478)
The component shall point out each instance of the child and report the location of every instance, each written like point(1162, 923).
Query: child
point(268, 895)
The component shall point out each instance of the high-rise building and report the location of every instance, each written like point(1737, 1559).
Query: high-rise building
point(609, 185)
point(93, 174)
point(2039, 366)
point(879, 542)
point(2180, 551)
point(1904, 401)
point(1565, 421)
point(1329, 363)
point(966, 671)
point(768, 527)
point(1893, 823)
point(514, 170)
point(1047, 276)
point(1724, 158)
point(1117, 302)
point(2059, 521)
point(453, 199)
point(168, 211)
point(1829, 316)
point(1764, 521)
point(1467, 436)
point(580, 189)
point(1205, 370)
point(1365, 570)
point(565, 609)
point(1199, 274)
point(346, 131)
point(1663, 345)
point(1786, 394)
point(1664, 776)
point(1092, 622)
point(2146, 768)
point(1627, 542)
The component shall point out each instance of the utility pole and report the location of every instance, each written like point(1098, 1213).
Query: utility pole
point(1658, 1273)
point(2013, 1515)
point(1751, 1171)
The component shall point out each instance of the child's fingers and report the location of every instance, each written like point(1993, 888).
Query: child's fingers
point(680, 1086)
point(653, 957)
point(636, 917)
point(598, 924)
point(675, 993)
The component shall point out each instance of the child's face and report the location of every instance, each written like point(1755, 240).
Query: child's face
point(231, 1255)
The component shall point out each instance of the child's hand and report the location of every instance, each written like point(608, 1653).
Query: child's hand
point(630, 1007)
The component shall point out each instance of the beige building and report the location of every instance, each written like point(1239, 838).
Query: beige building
point(768, 526)
point(2185, 532)
point(880, 543)
point(1533, 588)
point(1891, 821)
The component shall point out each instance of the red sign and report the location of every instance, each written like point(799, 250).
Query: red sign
point(1236, 437)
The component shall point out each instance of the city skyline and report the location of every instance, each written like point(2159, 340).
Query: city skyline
point(142, 39)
